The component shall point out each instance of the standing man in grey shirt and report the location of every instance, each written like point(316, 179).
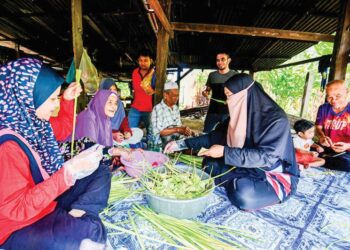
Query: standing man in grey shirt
point(217, 111)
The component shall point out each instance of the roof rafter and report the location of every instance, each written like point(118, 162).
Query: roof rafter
point(158, 10)
point(253, 31)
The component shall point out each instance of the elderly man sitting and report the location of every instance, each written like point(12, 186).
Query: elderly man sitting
point(165, 118)
point(333, 126)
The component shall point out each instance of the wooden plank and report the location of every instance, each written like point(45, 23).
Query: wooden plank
point(307, 93)
point(162, 57)
point(77, 31)
point(252, 31)
point(161, 63)
point(163, 19)
point(342, 45)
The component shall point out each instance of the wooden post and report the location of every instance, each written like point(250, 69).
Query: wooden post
point(77, 31)
point(161, 63)
point(251, 73)
point(162, 58)
point(18, 51)
point(341, 45)
point(307, 93)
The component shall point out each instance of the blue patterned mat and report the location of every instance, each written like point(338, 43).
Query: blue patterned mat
point(317, 217)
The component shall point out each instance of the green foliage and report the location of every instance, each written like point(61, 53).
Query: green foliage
point(286, 85)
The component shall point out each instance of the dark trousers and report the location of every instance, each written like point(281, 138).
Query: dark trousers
point(341, 162)
point(247, 189)
point(211, 120)
point(61, 231)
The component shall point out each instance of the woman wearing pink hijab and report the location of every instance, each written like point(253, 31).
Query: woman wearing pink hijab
point(256, 140)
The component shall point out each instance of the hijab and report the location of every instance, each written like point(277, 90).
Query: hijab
point(93, 122)
point(25, 84)
point(262, 114)
point(236, 132)
point(120, 113)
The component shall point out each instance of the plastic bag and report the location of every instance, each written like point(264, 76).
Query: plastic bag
point(89, 74)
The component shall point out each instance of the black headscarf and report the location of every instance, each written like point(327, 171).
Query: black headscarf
point(268, 128)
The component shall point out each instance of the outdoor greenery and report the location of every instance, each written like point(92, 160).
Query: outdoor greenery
point(286, 85)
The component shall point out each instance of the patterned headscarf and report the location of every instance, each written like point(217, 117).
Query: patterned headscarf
point(17, 111)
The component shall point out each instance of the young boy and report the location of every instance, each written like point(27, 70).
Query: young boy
point(305, 131)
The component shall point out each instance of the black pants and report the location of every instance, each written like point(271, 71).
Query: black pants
point(341, 162)
point(247, 189)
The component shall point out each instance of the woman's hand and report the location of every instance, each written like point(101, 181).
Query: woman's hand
point(73, 90)
point(122, 152)
point(171, 147)
point(215, 151)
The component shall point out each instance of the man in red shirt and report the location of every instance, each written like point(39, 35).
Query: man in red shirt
point(143, 80)
point(333, 126)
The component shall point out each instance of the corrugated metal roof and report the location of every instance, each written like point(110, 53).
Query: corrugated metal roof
point(114, 31)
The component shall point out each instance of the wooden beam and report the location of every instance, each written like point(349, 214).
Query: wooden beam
point(161, 63)
point(307, 93)
point(252, 31)
point(77, 31)
point(163, 19)
point(341, 48)
point(162, 58)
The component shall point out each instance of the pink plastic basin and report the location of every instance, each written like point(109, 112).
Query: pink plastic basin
point(143, 160)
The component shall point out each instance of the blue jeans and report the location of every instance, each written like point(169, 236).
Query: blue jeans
point(135, 117)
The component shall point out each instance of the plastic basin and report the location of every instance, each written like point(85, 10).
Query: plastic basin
point(150, 159)
point(182, 209)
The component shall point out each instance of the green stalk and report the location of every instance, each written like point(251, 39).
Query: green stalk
point(219, 101)
point(124, 230)
point(136, 231)
point(192, 234)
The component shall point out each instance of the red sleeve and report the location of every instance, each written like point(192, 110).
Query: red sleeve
point(21, 200)
point(62, 125)
point(124, 126)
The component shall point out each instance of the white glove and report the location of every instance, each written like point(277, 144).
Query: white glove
point(84, 163)
point(174, 146)
point(171, 147)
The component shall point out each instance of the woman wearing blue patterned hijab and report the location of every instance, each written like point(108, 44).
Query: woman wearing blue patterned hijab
point(25, 84)
point(39, 199)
